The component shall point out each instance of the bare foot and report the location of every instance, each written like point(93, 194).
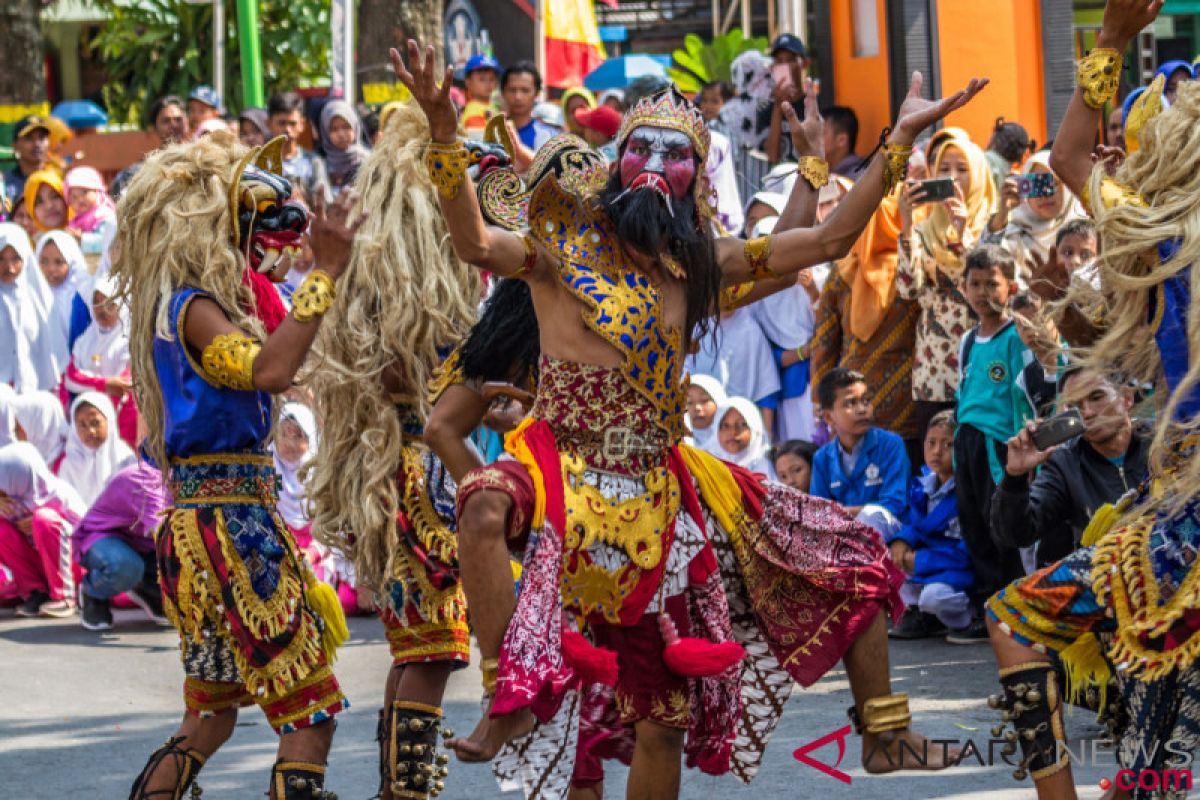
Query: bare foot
point(905, 750)
point(490, 735)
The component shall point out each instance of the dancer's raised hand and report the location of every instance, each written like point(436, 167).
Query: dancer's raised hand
point(808, 136)
point(333, 230)
point(434, 99)
point(916, 113)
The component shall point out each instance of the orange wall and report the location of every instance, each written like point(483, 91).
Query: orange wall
point(861, 83)
point(1001, 40)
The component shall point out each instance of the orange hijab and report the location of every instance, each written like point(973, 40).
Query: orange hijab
point(870, 270)
point(33, 183)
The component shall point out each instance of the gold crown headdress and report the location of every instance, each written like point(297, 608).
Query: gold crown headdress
point(670, 110)
point(1145, 108)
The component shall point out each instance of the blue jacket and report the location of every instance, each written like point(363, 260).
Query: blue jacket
point(932, 530)
point(880, 474)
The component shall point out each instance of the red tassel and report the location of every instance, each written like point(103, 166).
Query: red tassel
point(592, 664)
point(696, 658)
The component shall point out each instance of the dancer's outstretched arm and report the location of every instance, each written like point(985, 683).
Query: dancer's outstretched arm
point(796, 249)
point(1071, 156)
point(475, 242)
point(808, 140)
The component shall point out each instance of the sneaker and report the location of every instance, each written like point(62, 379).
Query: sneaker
point(96, 614)
point(150, 601)
point(916, 624)
point(974, 633)
point(32, 605)
point(59, 609)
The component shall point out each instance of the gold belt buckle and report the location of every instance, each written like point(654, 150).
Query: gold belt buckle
point(621, 443)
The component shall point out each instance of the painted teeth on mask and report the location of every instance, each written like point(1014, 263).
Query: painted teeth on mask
point(268, 262)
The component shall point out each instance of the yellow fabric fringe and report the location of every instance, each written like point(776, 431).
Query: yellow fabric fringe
point(514, 443)
point(1100, 524)
point(323, 600)
point(717, 487)
point(1084, 665)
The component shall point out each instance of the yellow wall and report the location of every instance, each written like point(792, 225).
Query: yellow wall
point(861, 83)
point(1001, 40)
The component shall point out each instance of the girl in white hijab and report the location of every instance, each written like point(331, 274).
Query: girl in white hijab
point(42, 423)
point(8, 415)
point(37, 514)
point(1034, 225)
point(95, 451)
point(296, 441)
point(705, 395)
point(26, 305)
point(100, 357)
point(741, 436)
point(62, 264)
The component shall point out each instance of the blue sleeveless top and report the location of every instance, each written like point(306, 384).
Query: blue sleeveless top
point(200, 418)
point(1171, 334)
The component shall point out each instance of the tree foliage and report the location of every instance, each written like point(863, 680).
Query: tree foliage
point(157, 47)
point(698, 63)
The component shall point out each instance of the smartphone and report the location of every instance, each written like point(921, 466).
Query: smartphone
point(1037, 184)
point(781, 74)
point(935, 190)
point(1058, 429)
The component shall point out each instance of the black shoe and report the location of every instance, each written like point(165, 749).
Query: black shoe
point(32, 606)
point(149, 600)
point(915, 624)
point(96, 614)
point(974, 633)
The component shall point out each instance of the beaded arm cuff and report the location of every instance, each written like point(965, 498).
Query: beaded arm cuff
point(229, 361)
point(447, 165)
point(314, 297)
point(1098, 74)
point(814, 170)
point(757, 252)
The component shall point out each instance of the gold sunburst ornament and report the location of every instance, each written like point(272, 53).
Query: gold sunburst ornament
point(1098, 74)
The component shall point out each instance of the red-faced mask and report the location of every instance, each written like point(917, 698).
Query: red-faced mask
point(660, 159)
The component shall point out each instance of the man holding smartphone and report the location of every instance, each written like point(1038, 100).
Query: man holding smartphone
point(790, 60)
point(1076, 477)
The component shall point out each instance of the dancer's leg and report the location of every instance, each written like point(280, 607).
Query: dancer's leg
point(657, 761)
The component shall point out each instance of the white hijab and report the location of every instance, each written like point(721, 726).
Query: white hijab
point(1027, 233)
point(100, 351)
point(292, 493)
point(26, 305)
point(754, 457)
point(88, 470)
point(714, 389)
point(25, 477)
point(64, 294)
point(41, 417)
point(8, 415)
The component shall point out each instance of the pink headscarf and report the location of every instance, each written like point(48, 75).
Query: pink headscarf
point(105, 208)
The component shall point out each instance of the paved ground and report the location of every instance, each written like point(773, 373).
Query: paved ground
point(81, 711)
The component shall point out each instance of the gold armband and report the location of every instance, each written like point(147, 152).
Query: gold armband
point(447, 165)
point(895, 165)
point(314, 297)
point(1098, 74)
point(732, 296)
point(757, 253)
point(229, 361)
point(814, 170)
point(1113, 193)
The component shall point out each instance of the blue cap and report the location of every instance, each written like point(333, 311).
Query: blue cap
point(206, 95)
point(481, 61)
point(791, 43)
point(1169, 68)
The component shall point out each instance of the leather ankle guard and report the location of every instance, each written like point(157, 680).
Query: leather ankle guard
point(1032, 702)
point(416, 768)
point(880, 714)
point(187, 765)
point(299, 780)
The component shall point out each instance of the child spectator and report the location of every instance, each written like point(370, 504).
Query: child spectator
point(741, 436)
point(1001, 386)
point(94, 450)
point(705, 393)
point(1078, 247)
point(480, 78)
point(62, 263)
point(100, 358)
point(341, 134)
point(738, 355)
point(285, 117)
point(26, 307)
point(91, 207)
point(46, 201)
point(864, 468)
point(295, 444)
point(712, 99)
point(793, 462)
point(21, 217)
point(930, 549)
point(114, 542)
point(573, 101)
point(40, 421)
point(37, 513)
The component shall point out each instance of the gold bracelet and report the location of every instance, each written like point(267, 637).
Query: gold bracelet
point(895, 165)
point(314, 297)
point(447, 165)
point(757, 252)
point(814, 170)
point(229, 361)
point(489, 667)
point(1098, 74)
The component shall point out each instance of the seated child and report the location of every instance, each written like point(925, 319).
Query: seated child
point(929, 548)
point(91, 207)
point(793, 463)
point(704, 394)
point(741, 436)
point(864, 468)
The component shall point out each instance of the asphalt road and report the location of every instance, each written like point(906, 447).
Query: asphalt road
point(79, 713)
